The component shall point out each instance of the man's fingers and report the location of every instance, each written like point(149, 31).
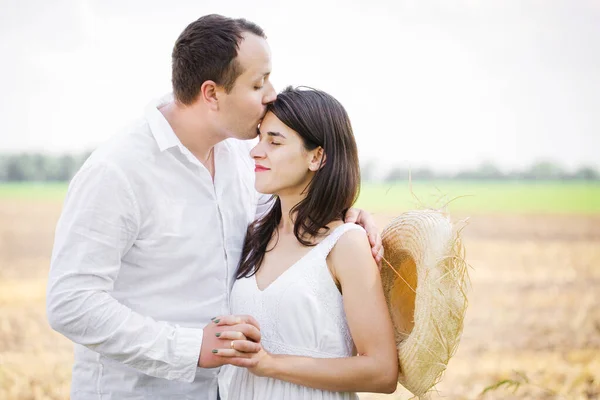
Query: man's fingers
point(375, 239)
point(376, 246)
point(377, 252)
point(372, 239)
point(352, 215)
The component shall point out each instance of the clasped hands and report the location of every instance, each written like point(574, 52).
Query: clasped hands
point(231, 339)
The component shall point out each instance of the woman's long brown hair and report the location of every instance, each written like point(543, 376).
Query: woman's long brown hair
point(320, 120)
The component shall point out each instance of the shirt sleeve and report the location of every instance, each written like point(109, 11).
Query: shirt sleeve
point(264, 205)
point(98, 225)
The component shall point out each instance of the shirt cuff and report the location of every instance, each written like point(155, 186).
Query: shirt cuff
point(187, 347)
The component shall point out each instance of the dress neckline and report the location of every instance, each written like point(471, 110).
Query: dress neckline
point(292, 267)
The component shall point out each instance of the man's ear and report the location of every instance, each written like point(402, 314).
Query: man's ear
point(318, 159)
point(210, 94)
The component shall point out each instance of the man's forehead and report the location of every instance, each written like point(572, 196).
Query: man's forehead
point(254, 55)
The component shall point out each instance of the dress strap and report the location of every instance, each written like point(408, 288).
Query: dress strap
point(329, 242)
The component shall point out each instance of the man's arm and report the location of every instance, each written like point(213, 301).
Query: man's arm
point(99, 224)
point(264, 204)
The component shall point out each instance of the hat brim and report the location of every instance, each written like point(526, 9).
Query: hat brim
point(425, 280)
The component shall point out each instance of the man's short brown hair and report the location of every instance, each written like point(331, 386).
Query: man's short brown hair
point(206, 50)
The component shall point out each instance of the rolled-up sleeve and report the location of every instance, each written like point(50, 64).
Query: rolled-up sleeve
point(99, 224)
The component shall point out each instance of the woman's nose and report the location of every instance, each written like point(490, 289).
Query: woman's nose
point(257, 152)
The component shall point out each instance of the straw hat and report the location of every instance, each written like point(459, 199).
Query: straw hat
point(425, 282)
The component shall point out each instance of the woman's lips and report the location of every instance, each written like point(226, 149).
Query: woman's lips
point(260, 168)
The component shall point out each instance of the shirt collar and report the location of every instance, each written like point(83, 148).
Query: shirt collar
point(159, 126)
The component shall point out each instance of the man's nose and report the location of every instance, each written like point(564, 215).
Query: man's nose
point(271, 95)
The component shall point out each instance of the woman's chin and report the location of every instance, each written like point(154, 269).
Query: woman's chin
point(263, 189)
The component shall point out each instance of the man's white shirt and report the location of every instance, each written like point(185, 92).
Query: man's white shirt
point(145, 254)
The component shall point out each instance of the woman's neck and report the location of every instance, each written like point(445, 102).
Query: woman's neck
point(288, 221)
point(286, 225)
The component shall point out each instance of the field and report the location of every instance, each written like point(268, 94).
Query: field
point(485, 197)
point(532, 328)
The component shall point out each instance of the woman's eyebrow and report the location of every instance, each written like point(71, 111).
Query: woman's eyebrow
point(271, 133)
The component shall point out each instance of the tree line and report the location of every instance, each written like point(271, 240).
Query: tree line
point(39, 167)
point(538, 171)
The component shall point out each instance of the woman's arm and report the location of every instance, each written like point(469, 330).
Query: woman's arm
point(375, 369)
point(366, 220)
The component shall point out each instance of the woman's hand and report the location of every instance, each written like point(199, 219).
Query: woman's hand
point(264, 364)
point(259, 363)
point(221, 331)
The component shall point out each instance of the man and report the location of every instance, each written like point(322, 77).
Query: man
point(153, 225)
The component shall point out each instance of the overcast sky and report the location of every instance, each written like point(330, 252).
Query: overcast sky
point(446, 84)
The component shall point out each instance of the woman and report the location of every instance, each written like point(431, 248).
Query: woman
point(309, 279)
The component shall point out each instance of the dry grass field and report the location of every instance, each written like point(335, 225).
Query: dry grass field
point(532, 327)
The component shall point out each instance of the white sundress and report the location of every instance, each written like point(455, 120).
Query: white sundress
point(300, 313)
